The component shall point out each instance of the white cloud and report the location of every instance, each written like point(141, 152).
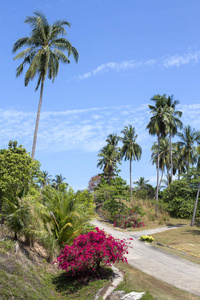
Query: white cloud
point(178, 60)
point(166, 62)
point(84, 130)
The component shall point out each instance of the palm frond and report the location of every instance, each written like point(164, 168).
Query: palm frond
point(20, 43)
point(61, 56)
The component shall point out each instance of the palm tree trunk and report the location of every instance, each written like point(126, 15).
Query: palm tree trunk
point(195, 207)
point(37, 121)
point(130, 182)
point(161, 178)
point(170, 140)
point(168, 176)
point(158, 161)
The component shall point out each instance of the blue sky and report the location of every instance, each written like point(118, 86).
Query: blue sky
point(129, 51)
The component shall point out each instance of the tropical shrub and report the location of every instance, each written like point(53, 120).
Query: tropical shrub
point(144, 192)
point(113, 207)
point(64, 214)
point(89, 250)
point(17, 214)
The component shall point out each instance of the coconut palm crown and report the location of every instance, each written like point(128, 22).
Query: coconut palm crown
point(188, 138)
point(44, 52)
point(130, 149)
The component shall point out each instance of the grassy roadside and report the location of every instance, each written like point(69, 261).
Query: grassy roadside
point(23, 278)
point(186, 239)
point(27, 276)
point(136, 280)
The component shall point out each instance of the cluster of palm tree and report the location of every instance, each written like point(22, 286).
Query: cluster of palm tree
point(168, 157)
point(45, 179)
point(111, 154)
point(165, 123)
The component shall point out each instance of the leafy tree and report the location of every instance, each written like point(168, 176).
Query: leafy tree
point(118, 189)
point(130, 149)
point(44, 52)
point(94, 182)
point(180, 195)
point(158, 125)
point(105, 192)
point(189, 137)
point(17, 170)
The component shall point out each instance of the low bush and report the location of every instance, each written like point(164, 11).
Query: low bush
point(146, 238)
point(89, 250)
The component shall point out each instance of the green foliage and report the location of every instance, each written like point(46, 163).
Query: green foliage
point(113, 207)
point(181, 194)
point(87, 228)
point(64, 215)
point(16, 212)
point(144, 192)
point(117, 188)
point(45, 53)
point(17, 170)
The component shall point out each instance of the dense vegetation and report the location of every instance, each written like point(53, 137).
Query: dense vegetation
point(36, 208)
point(180, 159)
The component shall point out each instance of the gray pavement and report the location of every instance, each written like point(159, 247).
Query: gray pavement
point(172, 269)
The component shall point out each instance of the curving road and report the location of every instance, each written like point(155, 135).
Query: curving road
point(172, 269)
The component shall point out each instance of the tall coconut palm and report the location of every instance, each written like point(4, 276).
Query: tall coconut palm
point(188, 138)
point(174, 124)
point(158, 125)
point(179, 163)
point(109, 156)
point(43, 54)
point(164, 156)
point(130, 149)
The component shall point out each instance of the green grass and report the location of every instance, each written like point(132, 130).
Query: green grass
point(185, 239)
point(136, 280)
point(23, 278)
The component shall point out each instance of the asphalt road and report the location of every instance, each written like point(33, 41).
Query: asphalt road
point(164, 266)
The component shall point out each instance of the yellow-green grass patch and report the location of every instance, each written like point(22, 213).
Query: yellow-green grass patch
point(136, 280)
point(185, 239)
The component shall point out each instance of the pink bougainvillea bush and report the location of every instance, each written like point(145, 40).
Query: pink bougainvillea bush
point(127, 219)
point(89, 250)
